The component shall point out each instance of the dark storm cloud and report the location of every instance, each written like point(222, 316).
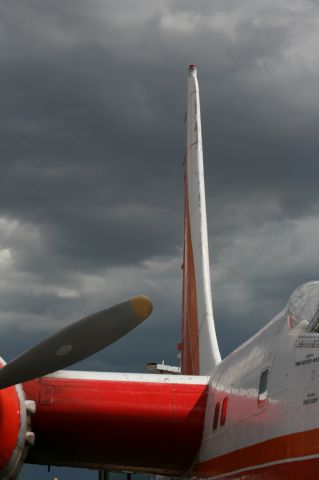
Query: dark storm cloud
point(84, 138)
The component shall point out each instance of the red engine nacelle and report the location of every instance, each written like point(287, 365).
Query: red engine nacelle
point(15, 434)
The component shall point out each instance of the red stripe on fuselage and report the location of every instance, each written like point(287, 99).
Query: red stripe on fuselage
point(139, 425)
point(290, 470)
point(276, 450)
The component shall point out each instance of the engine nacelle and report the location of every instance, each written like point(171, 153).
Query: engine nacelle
point(15, 434)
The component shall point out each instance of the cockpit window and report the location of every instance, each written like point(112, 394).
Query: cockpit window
point(303, 307)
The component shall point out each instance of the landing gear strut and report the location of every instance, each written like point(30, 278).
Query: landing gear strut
point(103, 475)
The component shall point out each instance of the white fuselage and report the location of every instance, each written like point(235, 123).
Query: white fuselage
point(275, 425)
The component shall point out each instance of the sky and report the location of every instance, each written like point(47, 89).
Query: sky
point(92, 139)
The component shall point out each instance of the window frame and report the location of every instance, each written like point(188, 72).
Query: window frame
point(216, 416)
point(263, 387)
point(223, 414)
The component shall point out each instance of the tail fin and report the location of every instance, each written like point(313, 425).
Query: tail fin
point(199, 349)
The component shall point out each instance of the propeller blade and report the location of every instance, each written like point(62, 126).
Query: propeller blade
point(76, 342)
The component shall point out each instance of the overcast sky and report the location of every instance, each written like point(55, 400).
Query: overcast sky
point(92, 143)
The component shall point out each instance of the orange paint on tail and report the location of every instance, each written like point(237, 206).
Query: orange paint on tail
point(190, 339)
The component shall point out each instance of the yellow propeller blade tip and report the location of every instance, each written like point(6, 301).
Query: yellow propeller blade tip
point(142, 306)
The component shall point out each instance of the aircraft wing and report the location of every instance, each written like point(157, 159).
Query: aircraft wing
point(132, 422)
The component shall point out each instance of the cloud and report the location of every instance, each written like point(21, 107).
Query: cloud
point(257, 269)
point(92, 141)
point(36, 302)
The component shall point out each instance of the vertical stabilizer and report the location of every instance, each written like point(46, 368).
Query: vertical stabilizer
point(200, 352)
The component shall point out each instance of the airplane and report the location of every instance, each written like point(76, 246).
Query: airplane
point(253, 415)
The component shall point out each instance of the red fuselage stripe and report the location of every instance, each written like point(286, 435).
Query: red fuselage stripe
point(301, 444)
point(290, 470)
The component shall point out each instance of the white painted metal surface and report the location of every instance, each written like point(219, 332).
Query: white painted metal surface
point(208, 345)
point(292, 404)
point(161, 368)
point(131, 377)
